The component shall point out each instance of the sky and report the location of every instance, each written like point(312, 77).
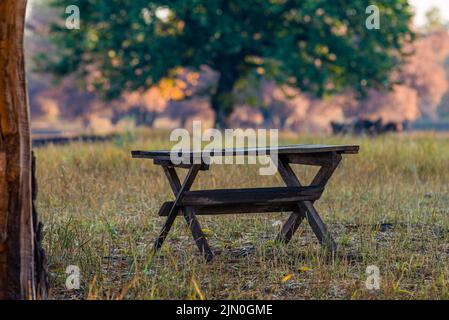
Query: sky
point(422, 6)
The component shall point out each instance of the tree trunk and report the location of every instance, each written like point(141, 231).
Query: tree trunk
point(222, 99)
point(17, 235)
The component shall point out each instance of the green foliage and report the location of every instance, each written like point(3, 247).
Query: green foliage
point(316, 45)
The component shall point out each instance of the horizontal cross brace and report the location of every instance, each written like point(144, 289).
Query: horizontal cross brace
point(246, 200)
point(232, 209)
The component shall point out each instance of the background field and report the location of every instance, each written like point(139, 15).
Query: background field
point(387, 206)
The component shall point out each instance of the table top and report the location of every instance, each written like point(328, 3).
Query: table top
point(288, 149)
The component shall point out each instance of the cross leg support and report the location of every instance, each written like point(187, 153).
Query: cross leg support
point(189, 213)
point(306, 209)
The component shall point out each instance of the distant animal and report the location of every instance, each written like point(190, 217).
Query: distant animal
point(365, 127)
point(338, 128)
point(392, 127)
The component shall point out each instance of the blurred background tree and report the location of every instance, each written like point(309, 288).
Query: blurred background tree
point(434, 21)
point(318, 46)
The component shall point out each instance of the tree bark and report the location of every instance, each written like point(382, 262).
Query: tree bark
point(222, 100)
point(17, 234)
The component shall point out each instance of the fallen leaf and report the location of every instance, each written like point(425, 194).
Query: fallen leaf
point(286, 278)
point(304, 269)
point(206, 231)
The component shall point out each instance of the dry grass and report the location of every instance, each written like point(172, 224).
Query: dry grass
point(387, 206)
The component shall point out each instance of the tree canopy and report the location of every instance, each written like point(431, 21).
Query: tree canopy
point(318, 46)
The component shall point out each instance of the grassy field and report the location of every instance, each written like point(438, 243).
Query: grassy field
point(387, 206)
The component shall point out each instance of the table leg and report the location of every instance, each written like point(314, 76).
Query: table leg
point(178, 191)
point(189, 213)
point(306, 208)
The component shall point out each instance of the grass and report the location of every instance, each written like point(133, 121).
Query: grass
point(387, 206)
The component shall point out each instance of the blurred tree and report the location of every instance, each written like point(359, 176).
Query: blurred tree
point(425, 71)
point(434, 20)
point(315, 45)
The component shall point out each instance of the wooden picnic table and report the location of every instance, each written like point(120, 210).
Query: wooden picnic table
point(294, 197)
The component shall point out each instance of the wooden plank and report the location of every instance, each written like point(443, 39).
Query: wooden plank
point(315, 159)
point(189, 157)
point(290, 149)
point(169, 163)
point(258, 196)
point(233, 208)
